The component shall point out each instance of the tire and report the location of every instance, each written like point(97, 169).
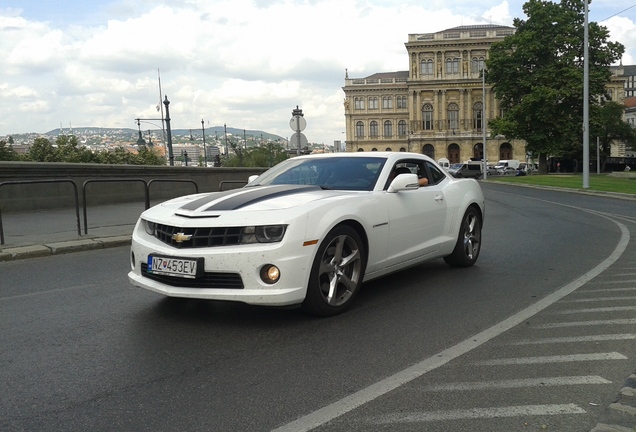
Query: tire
point(468, 243)
point(336, 274)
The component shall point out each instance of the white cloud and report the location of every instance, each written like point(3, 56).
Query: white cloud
point(244, 63)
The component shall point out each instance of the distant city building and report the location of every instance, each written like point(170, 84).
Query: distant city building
point(629, 74)
point(435, 107)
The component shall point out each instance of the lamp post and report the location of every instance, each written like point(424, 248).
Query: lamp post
point(483, 120)
point(140, 141)
point(166, 102)
point(205, 153)
point(586, 102)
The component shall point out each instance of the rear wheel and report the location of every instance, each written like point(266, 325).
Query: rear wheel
point(468, 242)
point(336, 274)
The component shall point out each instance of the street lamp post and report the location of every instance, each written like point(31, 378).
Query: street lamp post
point(205, 153)
point(140, 141)
point(166, 102)
point(483, 120)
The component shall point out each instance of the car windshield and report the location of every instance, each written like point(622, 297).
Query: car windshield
point(341, 173)
point(456, 166)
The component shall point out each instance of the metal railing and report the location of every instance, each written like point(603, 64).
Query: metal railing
point(84, 195)
point(17, 182)
point(146, 193)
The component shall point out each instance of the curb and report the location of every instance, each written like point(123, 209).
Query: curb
point(619, 415)
point(58, 248)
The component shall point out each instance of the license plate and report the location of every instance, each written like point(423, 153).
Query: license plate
point(173, 266)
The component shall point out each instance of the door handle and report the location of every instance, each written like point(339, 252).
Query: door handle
point(439, 198)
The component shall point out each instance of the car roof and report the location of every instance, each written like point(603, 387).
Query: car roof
point(376, 154)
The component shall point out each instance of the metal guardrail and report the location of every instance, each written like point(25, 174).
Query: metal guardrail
point(16, 182)
point(224, 182)
point(196, 187)
point(84, 200)
point(146, 193)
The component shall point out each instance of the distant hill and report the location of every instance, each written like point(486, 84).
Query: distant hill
point(218, 130)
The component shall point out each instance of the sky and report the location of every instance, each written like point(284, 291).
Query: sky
point(243, 63)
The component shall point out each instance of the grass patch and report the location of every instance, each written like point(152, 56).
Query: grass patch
point(598, 182)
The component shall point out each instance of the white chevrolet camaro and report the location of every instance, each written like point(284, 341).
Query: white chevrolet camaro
point(309, 231)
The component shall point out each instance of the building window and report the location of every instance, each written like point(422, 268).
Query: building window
point(453, 116)
point(401, 102)
point(402, 127)
point(388, 129)
point(429, 150)
point(360, 129)
point(477, 115)
point(477, 65)
point(373, 102)
point(373, 129)
point(387, 102)
point(426, 67)
point(427, 117)
point(452, 66)
point(359, 103)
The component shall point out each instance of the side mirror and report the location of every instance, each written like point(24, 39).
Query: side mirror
point(251, 178)
point(404, 182)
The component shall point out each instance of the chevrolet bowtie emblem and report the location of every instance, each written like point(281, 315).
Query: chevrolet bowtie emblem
point(181, 237)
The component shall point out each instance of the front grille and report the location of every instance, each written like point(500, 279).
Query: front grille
point(199, 237)
point(208, 280)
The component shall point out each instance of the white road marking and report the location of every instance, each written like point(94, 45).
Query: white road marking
point(390, 383)
point(594, 310)
point(552, 359)
point(519, 383)
point(480, 413)
point(598, 299)
point(586, 323)
point(574, 339)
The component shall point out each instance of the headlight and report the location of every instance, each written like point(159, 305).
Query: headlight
point(150, 227)
point(270, 233)
point(263, 234)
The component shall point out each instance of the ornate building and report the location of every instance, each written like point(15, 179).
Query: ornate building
point(437, 106)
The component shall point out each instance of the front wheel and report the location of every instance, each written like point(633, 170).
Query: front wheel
point(336, 274)
point(468, 242)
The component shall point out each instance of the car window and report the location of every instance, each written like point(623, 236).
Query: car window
point(343, 173)
point(436, 175)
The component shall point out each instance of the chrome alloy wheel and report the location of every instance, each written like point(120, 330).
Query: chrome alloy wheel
point(340, 270)
point(472, 236)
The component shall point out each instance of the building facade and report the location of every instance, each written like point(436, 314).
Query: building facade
point(440, 106)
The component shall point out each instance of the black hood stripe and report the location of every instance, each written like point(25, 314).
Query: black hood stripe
point(254, 195)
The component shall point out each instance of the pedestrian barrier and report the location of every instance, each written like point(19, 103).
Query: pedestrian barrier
point(20, 182)
point(235, 182)
point(146, 184)
point(87, 182)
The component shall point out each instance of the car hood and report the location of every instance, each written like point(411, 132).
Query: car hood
point(250, 199)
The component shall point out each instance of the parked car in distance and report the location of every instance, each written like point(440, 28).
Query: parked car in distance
point(507, 171)
point(513, 163)
point(491, 170)
point(309, 231)
point(466, 170)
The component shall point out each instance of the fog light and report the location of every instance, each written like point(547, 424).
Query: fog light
point(270, 274)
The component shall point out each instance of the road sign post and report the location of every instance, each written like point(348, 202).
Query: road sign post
point(298, 124)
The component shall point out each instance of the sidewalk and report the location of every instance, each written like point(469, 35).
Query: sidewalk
point(35, 234)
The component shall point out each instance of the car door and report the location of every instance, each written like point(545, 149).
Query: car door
point(416, 223)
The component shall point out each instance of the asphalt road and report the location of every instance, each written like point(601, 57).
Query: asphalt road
point(539, 335)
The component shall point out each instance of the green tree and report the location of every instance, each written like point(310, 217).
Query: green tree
point(537, 75)
point(606, 124)
point(41, 151)
point(7, 153)
point(264, 156)
point(69, 150)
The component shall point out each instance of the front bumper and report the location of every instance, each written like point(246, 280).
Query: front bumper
point(241, 261)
